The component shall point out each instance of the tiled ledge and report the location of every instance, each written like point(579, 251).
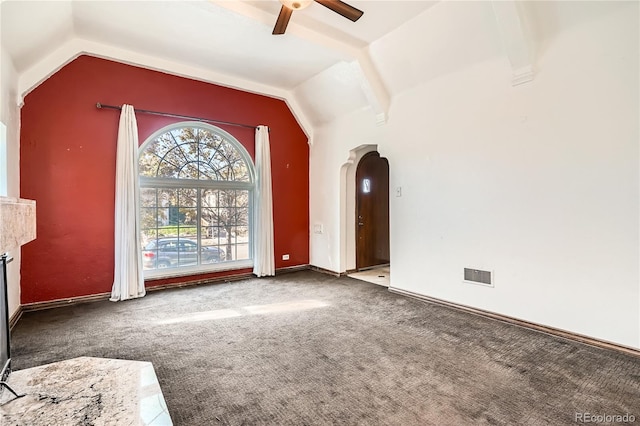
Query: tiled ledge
point(85, 391)
point(17, 222)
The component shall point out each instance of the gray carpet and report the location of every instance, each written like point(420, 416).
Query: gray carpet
point(309, 349)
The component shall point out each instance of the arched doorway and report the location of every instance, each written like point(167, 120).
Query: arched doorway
point(372, 211)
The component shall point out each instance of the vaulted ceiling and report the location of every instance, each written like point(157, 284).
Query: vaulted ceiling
point(324, 66)
point(226, 42)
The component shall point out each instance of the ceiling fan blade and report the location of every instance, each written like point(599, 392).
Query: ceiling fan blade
point(283, 20)
point(342, 8)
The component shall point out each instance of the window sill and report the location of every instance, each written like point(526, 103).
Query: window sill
point(159, 274)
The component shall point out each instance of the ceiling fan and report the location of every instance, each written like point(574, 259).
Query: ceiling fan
point(288, 6)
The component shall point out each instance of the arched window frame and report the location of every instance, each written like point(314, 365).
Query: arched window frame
point(177, 183)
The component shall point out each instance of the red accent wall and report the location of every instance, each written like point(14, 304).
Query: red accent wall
point(67, 164)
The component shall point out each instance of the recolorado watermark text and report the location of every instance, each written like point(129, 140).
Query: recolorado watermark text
point(604, 418)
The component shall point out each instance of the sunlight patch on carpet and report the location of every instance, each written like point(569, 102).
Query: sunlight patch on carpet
point(273, 308)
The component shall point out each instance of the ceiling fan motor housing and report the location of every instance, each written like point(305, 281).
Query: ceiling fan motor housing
point(296, 4)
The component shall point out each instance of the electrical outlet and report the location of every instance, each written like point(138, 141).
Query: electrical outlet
point(285, 257)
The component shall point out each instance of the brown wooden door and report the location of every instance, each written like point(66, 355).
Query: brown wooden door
point(372, 211)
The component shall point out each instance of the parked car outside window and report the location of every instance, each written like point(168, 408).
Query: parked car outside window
point(174, 252)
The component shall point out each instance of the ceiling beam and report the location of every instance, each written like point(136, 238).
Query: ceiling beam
point(516, 38)
point(371, 84)
point(373, 87)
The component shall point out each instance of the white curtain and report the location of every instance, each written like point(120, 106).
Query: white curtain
point(128, 281)
point(263, 256)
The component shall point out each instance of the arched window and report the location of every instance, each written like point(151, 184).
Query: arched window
point(196, 192)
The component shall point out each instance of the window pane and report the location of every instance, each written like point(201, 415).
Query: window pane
point(229, 164)
point(169, 166)
point(209, 198)
point(187, 222)
point(165, 256)
point(147, 197)
point(243, 251)
point(167, 197)
point(148, 236)
point(168, 231)
point(168, 212)
point(187, 252)
point(189, 171)
point(187, 217)
point(187, 197)
point(149, 257)
point(211, 254)
point(148, 161)
point(242, 234)
point(148, 217)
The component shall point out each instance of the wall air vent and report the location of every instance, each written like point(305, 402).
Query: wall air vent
point(476, 276)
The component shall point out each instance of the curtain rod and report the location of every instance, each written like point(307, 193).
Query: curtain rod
point(166, 114)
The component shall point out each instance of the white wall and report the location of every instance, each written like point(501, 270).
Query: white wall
point(326, 158)
point(539, 182)
point(10, 116)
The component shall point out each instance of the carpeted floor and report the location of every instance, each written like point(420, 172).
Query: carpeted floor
point(309, 349)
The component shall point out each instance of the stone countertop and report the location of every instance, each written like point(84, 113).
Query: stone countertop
point(85, 391)
point(17, 222)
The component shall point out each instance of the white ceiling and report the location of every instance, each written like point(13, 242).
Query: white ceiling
point(380, 18)
point(228, 38)
point(29, 30)
point(447, 39)
point(324, 66)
